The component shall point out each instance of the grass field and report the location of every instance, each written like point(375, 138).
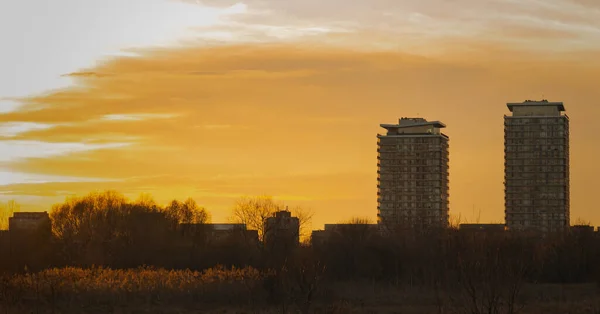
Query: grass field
point(219, 290)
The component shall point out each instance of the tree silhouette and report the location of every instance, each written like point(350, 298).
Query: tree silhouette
point(254, 211)
point(6, 211)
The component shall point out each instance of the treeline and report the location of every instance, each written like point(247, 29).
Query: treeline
point(482, 270)
point(106, 229)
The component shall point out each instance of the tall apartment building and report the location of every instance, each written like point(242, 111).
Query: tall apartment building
point(413, 174)
point(536, 175)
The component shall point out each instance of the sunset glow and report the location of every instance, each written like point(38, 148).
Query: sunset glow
point(220, 99)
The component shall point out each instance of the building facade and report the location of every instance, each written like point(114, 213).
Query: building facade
point(536, 158)
point(28, 221)
point(192, 233)
point(412, 174)
point(282, 230)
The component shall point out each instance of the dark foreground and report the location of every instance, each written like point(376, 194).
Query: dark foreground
point(219, 290)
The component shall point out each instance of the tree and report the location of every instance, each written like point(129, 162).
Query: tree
point(87, 226)
point(6, 211)
point(187, 212)
point(254, 211)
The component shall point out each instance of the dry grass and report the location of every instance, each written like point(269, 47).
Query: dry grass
point(220, 290)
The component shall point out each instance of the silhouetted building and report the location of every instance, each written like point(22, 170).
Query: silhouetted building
point(412, 174)
point(332, 231)
point(536, 179)
point(318, 237)
point(212, 233)
point(582, 229)
point(282, 230)
point(4, 238)
point(482, 227)
point(28, 221)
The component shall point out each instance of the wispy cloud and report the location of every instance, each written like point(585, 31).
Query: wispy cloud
point(13, 150)
point(285, 98)
point(12, 129)
point(136, 116)
point(214, 124)
point(395, 23)
point(7, 105)
point(8, 178)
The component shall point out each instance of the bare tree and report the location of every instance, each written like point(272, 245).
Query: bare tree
point(187, 212)
point(6, 211)
point(492, 275)
point(305, 217)
point(254, 212)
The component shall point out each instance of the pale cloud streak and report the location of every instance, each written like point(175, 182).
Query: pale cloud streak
point(14, 150)
point(285, 98)
point(12, 129)
point(409, 25)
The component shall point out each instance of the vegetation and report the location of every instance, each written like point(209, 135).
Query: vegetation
point(106, 253)
point(254, 211)
point(6, 211)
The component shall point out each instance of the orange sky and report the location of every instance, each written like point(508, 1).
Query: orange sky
point(297, 119)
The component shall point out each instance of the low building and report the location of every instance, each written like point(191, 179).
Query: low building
point(482, 227)
point(211, 233)
point(4, 238)
point(282, 230)
point(318, 237)
point(357, 231)
point(582, 229)
point(352, 227)
point(28, 221)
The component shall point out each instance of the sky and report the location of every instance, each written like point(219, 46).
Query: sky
point(219, 99)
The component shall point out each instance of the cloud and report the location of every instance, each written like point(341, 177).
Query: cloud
point(8, 178)
point(85, 74)
point(217, 126)
point(14, 150)
point(293, 120)
point(409, 25)
point(12, 129)
point(7, 105)
point(135, 117)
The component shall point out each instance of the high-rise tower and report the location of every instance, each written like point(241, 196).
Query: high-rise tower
point(413, 174)
point(536, 159)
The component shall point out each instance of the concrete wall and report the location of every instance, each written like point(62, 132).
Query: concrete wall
point(536, 110)
point(28, 221)
point(423, 129)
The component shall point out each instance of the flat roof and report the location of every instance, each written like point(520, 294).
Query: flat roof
point(437, 124)
point(558, 104)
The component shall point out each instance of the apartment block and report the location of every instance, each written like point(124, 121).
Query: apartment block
point(412, 174)
point(536, 178)
point(282, 230)
point(28, 221)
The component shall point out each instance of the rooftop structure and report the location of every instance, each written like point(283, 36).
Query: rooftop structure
point(282, 230)
point(534, 106)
